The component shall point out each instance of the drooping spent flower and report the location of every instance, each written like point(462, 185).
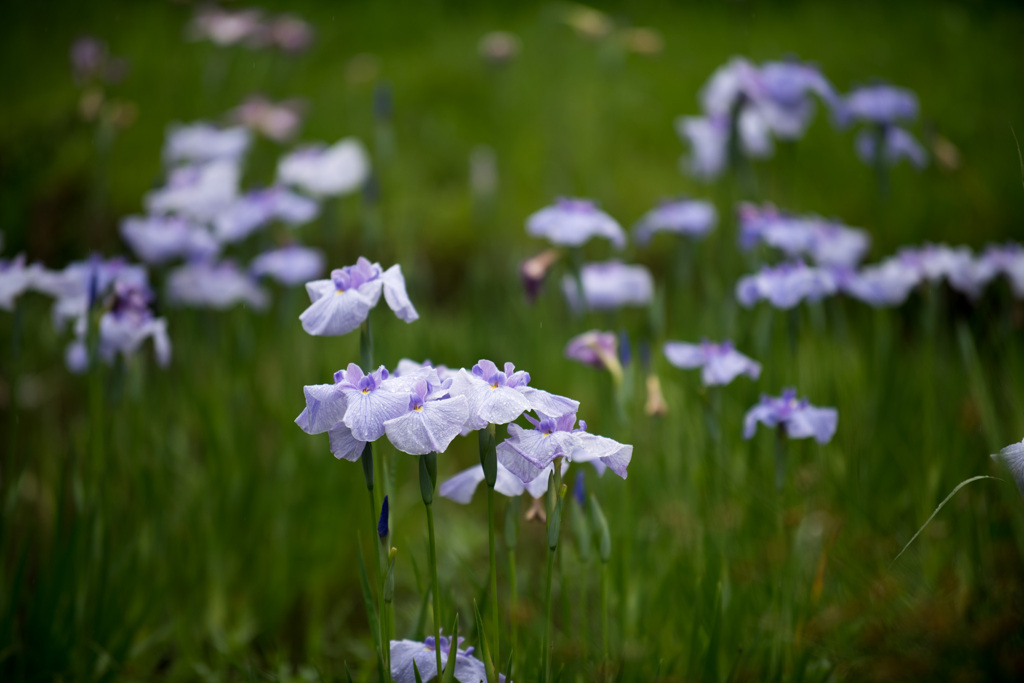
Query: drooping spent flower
point(468, 669)
point(500, 396)
point(691, 217)
point(341, 303)
point(598, 349)
point(528, 452)
point(533, 271)
point(721, 363)
point(290, 265)
point(610, 285)
point(326, 171)
point(798, 418)
point(786, 285)
point(573, 222)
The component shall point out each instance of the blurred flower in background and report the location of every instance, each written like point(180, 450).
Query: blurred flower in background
point(499, 47)
point(797, 417)
point(206, 284)
point(692, 217)
point(720, 363)
point(278, 121)
point(324, 171)
point(610, 285)
point(573, 222)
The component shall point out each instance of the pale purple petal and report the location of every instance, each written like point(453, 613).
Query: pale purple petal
point(368, 411)
point(344, 445)
point(396, 296)
point(325, 407)
point(760, 413)
point(336, 314)
point(429, 429)
point(1013, 457)
point(810, 421)
point(683, 355)
point(461, 487)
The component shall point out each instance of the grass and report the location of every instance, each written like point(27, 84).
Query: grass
point(176, 524)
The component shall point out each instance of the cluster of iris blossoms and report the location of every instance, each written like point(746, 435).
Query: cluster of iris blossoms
point(746, 106)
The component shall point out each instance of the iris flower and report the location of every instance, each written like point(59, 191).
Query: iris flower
point(573, 222)
point(827, 243)
point(528, 452)
point(610, 285)
point(341, 304)
point(15, 279)
point(202, 142)
point(887, 283)
point(326, 171)
point(799, 418)
point(461, 487)
point(199, 191)
point(897, 144)
point(124, 326)
point(693, 217)
point(290, 265)
point(721, 363)
point(159, 239)
point(500, 396)
point(1013, 457)
point(468, 669)
point(1008, 259)
point(256, 209)
point(205, 284)
point(786, 285)
point(279, 121)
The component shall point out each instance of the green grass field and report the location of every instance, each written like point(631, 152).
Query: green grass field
point(176, 525)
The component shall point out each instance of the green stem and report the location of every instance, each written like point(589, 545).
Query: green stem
point(515, 602)
point(366, 346)
point(495, 641)
point(604, 620)
point(436, 587)
point(547, 615)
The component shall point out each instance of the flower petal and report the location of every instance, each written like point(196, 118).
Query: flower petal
point(367, 413)
point(429, 429)
point(396, 296)
point(344, 445)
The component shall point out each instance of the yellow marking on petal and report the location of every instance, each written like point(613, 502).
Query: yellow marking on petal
point(420, 409)
point(366, 391)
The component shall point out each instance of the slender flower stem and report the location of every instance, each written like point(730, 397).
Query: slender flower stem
point(494, 578)
point(547, 614)
point(604, 621)
point(515, 601)
point(428, 479)
point(436, 587)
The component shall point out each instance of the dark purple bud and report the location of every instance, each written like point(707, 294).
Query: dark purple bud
point(382, 525)
point(579, 491)
point(625, 351)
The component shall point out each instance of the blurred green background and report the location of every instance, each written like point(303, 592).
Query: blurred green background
point(176, 525)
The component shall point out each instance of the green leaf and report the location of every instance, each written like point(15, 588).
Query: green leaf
point(449, 668)
point(959, 486)
point(348, 674)
point(485, 650)
point(416, 672)
point(371, 609)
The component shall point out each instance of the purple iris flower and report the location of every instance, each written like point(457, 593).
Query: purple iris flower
point(326, 171)
point(255, 209)
point(290, 33)
point(595, 348)
point(887, 283)
point(721, 363)
point(786, 285)
point(969, 274)
point(279, 121)
point(573, 222)
point(957, 265)
point(499, 397)
point(828, 243)
point(528, 452)
point(341, 304)
point(158, 239)
point(202, 142)
point(708, 137)
point(15, 279)
point(1008, 259)
point(468, 669)
point(205, 284)
point(431, 420)
point(461, 487)
point(291, 265)
point(82, 284)
point(693, 217)
point(126, 324)
point(798, 417)
point(224, 27)
point(200, 191)
point(879, 104)
point(353, 409)
point(407, 367)
point(610, 285)
point(1013, 457)
point(897, 144)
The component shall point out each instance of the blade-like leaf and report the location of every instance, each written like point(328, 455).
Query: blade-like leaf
point(416, 672)
point(371, 609)
point(952, 493)
point(449, 668)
